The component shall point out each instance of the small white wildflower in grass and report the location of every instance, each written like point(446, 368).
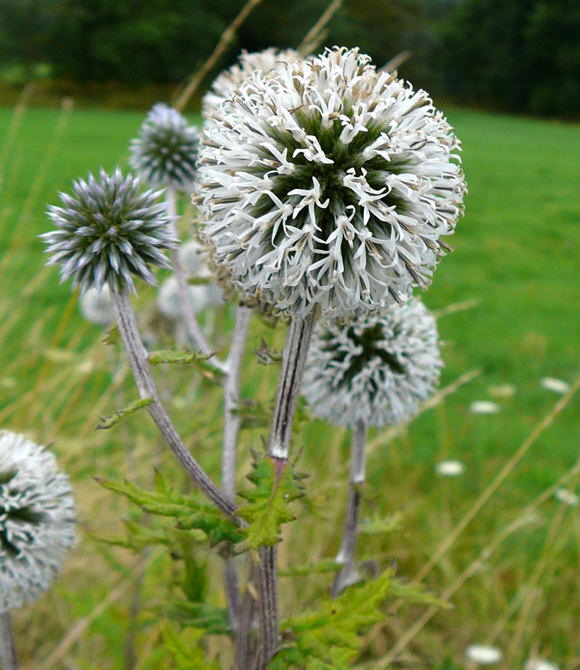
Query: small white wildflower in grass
point(567, 497)
point(539, 664)
point(37, 520)
point(330, 184)
point(556, 385)
point(165, 152)
point(483, 654)
point(484, 407)
point(377, 370)
point(107, 231)
point(224, 84)
point(450, 468)
point(169, 303)
point(97, 306)
point(502, 391)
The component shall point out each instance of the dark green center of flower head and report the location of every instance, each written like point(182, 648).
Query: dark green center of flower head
point(345, 157)
point(13, 515)
point(372, 346)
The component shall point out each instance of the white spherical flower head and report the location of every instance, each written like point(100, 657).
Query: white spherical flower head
point(169, 302)
point(108, 230)
point(191, 258)
point(266, 62)
point(97, 306)
point(483, 654)
point(328, 184)
point(165, 152)
point(377, 370)
point(37, 520)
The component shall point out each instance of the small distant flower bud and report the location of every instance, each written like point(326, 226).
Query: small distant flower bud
point(191, 258)
point(484, 407)
point(329, 184)
point(165, 152)
point(450, 468)
point(555, 385)
point(169, 302)
point(107, 231)
point(377, 370)
point(483, 655)
point(37, 520)
point(97, 306)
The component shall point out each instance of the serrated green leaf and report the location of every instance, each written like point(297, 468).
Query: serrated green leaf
point(169, 356)
point(415, 593)
point(380, 526)
point(137, 537)
point(268, 504)
point(189, 513)
point(184, 649)
point(329, 636)
point(107, 422)
point(112, 336)
point(306, 569)
point(209, 618)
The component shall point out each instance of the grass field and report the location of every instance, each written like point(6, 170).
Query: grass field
point(514, 257)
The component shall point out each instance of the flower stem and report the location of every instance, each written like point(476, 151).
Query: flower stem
point(191, 323)
point(8, 660)
point(137, 355)
point(232, 419)
point(293, 362)
point(232, 422)
point(346, 556)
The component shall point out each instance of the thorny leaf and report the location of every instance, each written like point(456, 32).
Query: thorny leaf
point(265, 355)
point(107, 422)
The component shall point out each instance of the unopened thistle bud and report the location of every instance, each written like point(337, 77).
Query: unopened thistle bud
point(165, 152)
point(329, 184)
point(108, 230)
point(37, 520)
point(377, 370)
point(169, 302)
point(97, 306)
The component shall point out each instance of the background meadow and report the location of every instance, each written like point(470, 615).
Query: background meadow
point(495, 542)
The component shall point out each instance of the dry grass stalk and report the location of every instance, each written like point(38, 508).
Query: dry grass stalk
point(185, 95)
point(315, 35)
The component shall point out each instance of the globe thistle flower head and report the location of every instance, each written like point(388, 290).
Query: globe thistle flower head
point(37, 520)
point(191, 257)
point(169, 301)
point(266, 62)
point(330, 184)
point(165, 152)
point(97, 306)
point(108, 230)
point(377, 370)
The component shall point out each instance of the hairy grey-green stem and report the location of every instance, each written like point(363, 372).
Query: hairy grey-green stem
point(230, 444)
point(191, 323)
point(137, 355)
point(232, 398)
point(244, 635)
point(346, 556)
point(8, 659)
point(293, 362)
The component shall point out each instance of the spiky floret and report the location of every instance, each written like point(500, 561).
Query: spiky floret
point(329, 184)
point(108, 230)
point(266, 61)
point(165, 152)
point(377, 370)
point(37, 520)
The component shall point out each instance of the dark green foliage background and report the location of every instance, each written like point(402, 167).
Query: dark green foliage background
point(518, 55)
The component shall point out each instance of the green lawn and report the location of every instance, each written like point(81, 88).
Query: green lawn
point(514, 255)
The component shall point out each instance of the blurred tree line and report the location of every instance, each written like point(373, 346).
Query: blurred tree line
point(520, 55)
